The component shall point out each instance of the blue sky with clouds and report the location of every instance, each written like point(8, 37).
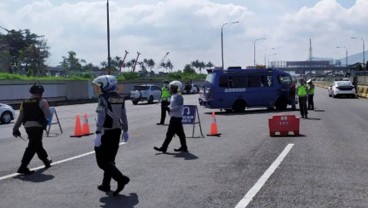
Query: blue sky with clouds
point(190, 29)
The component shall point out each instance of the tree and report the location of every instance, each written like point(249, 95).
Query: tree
point(198, 64)
point(71, 64)
point(188, 69)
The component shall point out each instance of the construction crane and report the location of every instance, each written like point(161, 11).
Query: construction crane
point(159, 66)
point(122, 64)
point(136, 61)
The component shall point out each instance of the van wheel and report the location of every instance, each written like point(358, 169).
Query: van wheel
point(228, 110)
point(281, 104)
point(239, 106)
point(135, 102)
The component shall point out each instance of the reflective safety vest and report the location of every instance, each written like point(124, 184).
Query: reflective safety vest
point(302, 90)
point(165, 93)
point(311, 89)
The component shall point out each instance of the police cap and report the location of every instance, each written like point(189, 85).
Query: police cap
point(36, 89)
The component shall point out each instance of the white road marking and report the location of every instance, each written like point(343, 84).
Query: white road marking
point(54, 163)
point(261, 181)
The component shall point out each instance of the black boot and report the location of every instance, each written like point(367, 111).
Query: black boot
point(121, 184)
point(24, 170)
point(181, 149)
point(104, 188)
point(47, 163)
point(163, 150)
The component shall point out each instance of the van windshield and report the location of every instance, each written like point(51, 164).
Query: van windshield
point(285, 79)
point(210, 78)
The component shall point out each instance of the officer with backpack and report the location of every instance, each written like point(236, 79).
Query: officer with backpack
point(33, 114)
point(111, 124)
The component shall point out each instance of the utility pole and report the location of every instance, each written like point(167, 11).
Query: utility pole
point(108, 40)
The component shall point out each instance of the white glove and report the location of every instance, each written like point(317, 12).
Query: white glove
point(125, 136)
point(97, 140)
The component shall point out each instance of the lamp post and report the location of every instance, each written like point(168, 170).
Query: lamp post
point(222, 42)
point(254, 47)
point(363, 48)
point(108, 39)
point(268, 60)
point(346, 54)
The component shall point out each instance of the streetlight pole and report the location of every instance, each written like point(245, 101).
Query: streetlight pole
point(254, 48)
point(108, 39)
point(222, 42)
point(346, 54)
point(268, 62)
point(363, 48)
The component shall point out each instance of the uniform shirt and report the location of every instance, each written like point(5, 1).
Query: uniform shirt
point(112, 101)
point(176, 105)
point(311, 89)
point(165, 94)
point(44, 106)
point(302, 90)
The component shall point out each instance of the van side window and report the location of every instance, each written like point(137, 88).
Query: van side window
point(223, 82)
point(239, 81)
point(266, 81)
point(254, 81)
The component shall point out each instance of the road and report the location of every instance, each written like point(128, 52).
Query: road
point(245, 167)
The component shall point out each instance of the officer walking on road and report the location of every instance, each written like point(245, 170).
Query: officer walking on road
point(165, 96)
point(302, 94)
point(111, 121)
point(33, 114)
point(310, 94)
point(176, 114)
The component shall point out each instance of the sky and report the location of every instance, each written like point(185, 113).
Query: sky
point(268, 30)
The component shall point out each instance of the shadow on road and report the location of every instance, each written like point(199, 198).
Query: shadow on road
point(185, 155)
point(120, 201)
point(36, 177)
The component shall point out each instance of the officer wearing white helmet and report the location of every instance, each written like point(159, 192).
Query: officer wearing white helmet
point(33, 114)
point(111, 121)
point(176, 114)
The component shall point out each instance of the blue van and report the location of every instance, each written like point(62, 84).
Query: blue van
point(236, 89)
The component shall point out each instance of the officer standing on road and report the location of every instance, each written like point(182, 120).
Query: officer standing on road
point(165, 96)
point(310, 94)
point(292, 93)
point(176, 114)
point(33, 114)
point(302, 94)
point(111, 121)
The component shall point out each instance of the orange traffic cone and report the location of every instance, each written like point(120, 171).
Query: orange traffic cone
point(213, 131)
point(85, 126)
point(77, 127)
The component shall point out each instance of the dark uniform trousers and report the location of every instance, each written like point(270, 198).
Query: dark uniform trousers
point(310, 102)
point(164, 108)
point(175, 127)
point(34, 145)
point(105, 156)
point(303, 106)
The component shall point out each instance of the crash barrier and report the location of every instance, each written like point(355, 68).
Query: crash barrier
point(50, 121)
point(283, 125)
point(81, 129)
point(213, 128)
point(190, 115)
point(363, 91)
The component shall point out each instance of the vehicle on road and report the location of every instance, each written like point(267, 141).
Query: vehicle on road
point(190, 88)
point(236, 89)
point(341, 88)
point(7, 113)
point(146, 92)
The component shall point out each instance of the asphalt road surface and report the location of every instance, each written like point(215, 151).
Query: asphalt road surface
point(323, 167)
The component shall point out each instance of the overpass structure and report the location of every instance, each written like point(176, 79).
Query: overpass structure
point(303, 67)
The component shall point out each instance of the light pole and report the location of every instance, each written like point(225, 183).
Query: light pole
point(222, 42)
point(108, 39)
point(268, 62)
point(254, 47)
point(363, 48)
point(346, 54)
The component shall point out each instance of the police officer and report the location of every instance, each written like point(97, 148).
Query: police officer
point(302, 94)
point(175, 125)
point(111, 120)
point(33, 114)
point(165, 96)
point(310, 94)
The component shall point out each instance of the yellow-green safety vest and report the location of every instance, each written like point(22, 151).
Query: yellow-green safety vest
point(165, 93)
point(302, 91)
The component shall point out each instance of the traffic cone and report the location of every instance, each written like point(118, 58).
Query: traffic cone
point(77, 127)
point(213, 131)
point(85, 126)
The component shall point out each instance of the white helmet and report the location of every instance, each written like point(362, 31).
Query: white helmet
point(176, 84)
point(106, 82)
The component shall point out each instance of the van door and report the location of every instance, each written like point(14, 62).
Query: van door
point(260, 90)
